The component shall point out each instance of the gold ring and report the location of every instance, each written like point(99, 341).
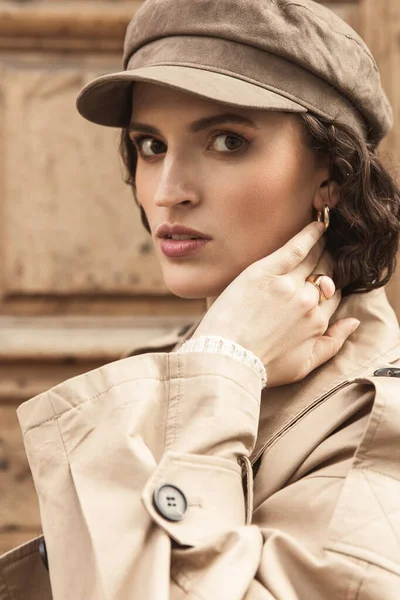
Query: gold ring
point(316, 279)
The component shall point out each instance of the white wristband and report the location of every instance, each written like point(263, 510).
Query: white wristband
point(220, 345)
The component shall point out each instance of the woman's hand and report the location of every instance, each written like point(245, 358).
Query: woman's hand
point(273, 311)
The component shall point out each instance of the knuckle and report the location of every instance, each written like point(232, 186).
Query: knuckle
point(307, 302)
point(287, 286)
point(298, 251)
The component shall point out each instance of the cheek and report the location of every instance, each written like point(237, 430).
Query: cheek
point(146, 188)
point(263, 193)
point(269, 199)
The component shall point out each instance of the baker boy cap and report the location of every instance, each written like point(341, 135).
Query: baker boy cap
point(262, 54)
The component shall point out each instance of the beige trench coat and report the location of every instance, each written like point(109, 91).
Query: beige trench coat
point(320, 521)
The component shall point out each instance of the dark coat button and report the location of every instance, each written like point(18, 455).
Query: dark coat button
point(392, 372)
point(170, 502)
point(43, 553)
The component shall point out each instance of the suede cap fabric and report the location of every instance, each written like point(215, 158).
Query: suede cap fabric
point(263, 54)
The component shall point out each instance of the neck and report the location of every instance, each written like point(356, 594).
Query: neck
point(210, 301)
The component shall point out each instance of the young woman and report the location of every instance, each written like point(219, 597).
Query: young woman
point(252, 455)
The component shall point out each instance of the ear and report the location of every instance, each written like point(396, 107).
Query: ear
point(327, 193)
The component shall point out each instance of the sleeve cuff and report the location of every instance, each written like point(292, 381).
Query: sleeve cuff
point(204, 497)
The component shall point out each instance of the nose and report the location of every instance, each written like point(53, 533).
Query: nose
point(177, 183)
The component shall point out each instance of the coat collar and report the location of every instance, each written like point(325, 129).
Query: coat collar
point(374, 344)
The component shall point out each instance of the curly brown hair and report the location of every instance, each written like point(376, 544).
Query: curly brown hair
point(363, 236)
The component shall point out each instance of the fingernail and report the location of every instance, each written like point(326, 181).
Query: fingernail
point(329, 287)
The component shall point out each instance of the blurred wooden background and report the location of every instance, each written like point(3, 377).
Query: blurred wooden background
point(79, 283)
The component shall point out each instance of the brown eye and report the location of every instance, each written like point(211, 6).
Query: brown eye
point(148, 146)
point(227, 141)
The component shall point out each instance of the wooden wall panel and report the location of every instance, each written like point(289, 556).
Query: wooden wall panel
point(19, 510)
point(381, 30)
point(70, 225)
point(72, 25)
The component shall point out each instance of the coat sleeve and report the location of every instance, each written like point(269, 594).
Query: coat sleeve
point(102, 446)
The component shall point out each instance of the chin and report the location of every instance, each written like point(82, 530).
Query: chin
point(194, 281)
point(195, 289)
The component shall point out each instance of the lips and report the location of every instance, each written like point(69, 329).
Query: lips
point(182, 237)
point(182, 248)
point(167, 231)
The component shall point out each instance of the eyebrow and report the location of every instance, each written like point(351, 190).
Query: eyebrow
point(200, 124)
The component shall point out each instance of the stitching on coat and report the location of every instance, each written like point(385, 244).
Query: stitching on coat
point(168, 405)
point(375, 471)
point(342, 537)
point(57, 420)
point(374, 520)
point(230, 468)
point(92, 398)
point(386, 515)
point(352, 548)
point(346, 35)
point(178, 402)
point(173, 461)
point(368, 450)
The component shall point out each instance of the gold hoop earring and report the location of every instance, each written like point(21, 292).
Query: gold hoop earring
point(325, 216)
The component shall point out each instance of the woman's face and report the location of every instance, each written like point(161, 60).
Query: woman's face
point(248, 187)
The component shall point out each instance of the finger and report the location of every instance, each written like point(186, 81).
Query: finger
point(327, 346)
point(309, 264)
point(328, 307)
point(293, 253)
point(312, 298)
point(328, 287)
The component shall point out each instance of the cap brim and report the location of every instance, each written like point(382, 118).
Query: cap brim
point(108, 99)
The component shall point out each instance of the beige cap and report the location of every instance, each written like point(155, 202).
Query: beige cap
point(263, 54)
